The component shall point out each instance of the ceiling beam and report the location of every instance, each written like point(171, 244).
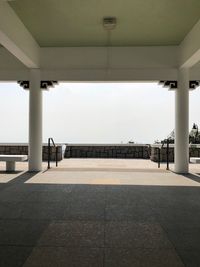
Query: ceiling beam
point(109, 57)
point(190, 47)
point(15, 37)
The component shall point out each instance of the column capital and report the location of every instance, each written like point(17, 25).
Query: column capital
point(24, 84)
point(44, 85)
point(172, 85)
point(47, 84)
point(194, 84)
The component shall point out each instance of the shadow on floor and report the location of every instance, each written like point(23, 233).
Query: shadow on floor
point(18, 237)
point(19, 179)
point(192, 176)
point(98, 225)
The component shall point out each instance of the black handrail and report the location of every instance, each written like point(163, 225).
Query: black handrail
point(159, 150)
point(49, 152)
point(159, 157)
point(167, 153)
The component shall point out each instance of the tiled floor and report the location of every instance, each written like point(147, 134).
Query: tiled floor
point(147, 224)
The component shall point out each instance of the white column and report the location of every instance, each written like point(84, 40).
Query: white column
point(35, 122)
point(182, 123)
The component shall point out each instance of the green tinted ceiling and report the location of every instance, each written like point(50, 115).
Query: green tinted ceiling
point(79, 22)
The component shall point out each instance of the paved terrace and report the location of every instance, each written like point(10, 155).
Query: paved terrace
point(100, 213)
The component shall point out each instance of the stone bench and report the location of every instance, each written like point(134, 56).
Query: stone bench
point(11, 159)
point(195, 160)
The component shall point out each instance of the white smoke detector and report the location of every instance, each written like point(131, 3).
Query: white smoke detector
point(109, 23)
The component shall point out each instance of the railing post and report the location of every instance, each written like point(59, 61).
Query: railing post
point(189, 153)
point(56, 156)
point(158, 157)
point(49, 152)
point(167, 154)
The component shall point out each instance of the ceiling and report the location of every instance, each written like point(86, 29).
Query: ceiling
point(79, 22)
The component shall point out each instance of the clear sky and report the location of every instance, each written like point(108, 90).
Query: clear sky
point(95, 112)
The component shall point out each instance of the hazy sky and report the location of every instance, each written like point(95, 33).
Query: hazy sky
point(95, 112)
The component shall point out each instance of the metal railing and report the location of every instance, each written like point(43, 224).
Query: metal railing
point(167, 154)
point(49, 152)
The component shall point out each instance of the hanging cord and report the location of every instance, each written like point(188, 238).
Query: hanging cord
point(108, 49)
point(109, 23)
